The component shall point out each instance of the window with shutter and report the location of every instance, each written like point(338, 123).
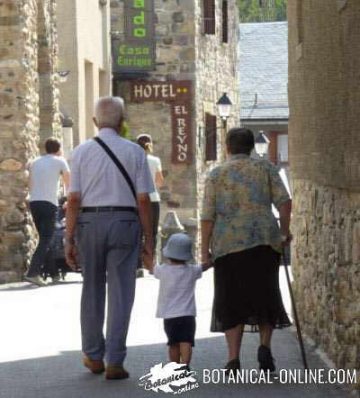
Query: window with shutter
point(225, 22)
point(209, 16)
point(210, 137)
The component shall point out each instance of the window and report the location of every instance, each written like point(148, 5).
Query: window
point(209, 16)
point(225, 22)
point(282, 148)
point(278, 149)
point(210, 137)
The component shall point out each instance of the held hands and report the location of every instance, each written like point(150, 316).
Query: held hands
point(206, 260)
point(147, 254)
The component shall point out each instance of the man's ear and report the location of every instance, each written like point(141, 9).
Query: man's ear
point(95, 122)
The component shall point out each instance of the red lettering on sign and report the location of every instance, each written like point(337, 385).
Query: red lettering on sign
point(178, 95)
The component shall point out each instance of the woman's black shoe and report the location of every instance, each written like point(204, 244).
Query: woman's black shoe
point(232, 365)
point(266, 361)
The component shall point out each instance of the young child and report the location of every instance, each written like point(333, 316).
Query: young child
point(176, 301)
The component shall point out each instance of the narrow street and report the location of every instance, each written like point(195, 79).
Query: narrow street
point(40, 348)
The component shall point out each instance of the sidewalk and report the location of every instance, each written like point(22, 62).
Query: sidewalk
point(40, 348)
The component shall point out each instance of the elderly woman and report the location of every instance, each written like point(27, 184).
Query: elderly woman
point(238, 226)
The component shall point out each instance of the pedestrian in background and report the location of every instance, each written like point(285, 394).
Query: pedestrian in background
point(238, 225)
point(176, 301)
point(45, 173)
point(145, 141)
point(106, 210)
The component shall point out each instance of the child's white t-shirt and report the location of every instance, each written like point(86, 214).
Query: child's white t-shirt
point(177, 289)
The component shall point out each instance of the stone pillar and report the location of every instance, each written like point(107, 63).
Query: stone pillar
point(19, 129)
point(19, 124)
point(50, 124)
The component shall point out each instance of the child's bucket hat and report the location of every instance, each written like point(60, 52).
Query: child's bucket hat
point(178, 247)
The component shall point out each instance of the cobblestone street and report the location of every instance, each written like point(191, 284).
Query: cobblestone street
point(40, 348)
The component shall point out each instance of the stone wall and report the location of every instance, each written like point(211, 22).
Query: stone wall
point(19, 128)
point(217, 72)
point(326, 258)
point(324, 73)
point(324, 68)
point(175, 58)
point(49, 95)
point(184, 52)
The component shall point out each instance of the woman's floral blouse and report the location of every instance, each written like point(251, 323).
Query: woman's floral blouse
point(238, 196)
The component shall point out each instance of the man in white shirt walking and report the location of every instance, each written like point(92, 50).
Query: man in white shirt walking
point(107, 210)
point(45, 173)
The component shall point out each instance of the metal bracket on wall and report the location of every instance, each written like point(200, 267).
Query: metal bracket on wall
point(341, 4)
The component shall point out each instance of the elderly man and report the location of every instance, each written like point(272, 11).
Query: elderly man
point(238, 224)
point(103, 234)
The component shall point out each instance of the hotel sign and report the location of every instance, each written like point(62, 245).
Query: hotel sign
point(136, 51)
point(179, 96)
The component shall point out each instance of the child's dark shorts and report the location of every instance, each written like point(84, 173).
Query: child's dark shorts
point(180, 330)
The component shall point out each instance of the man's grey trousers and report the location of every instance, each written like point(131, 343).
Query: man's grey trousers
point(108, 244)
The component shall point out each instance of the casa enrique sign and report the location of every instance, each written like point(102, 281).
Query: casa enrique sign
point(135, 51)
point(178, 94)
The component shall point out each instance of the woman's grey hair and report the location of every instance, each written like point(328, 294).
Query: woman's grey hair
point(109, 111)
point(240, 140)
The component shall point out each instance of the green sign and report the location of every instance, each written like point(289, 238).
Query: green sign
point(136, 51)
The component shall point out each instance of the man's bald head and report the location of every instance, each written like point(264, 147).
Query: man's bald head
point(109, 112)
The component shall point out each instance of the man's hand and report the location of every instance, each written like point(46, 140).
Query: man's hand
point(147, 255)
point(146, 219)
point(71, 255)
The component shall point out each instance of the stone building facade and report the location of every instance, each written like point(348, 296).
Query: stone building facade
point(324, 75)
point(29, 113)
point(84, 55)
point(195, 45)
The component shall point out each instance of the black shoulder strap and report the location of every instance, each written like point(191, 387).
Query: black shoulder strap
point(118, 164)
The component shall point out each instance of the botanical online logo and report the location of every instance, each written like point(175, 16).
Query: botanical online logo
point(171, 378)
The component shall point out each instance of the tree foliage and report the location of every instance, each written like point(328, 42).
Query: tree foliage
point(262, 10)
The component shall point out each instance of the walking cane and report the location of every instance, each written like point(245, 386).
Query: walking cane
point(297, 323)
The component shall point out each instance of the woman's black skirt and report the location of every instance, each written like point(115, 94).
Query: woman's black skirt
point(247, 290)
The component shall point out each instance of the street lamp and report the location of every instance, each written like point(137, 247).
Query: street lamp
point(262, 144)
point(224, 107)
point(63, 75)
